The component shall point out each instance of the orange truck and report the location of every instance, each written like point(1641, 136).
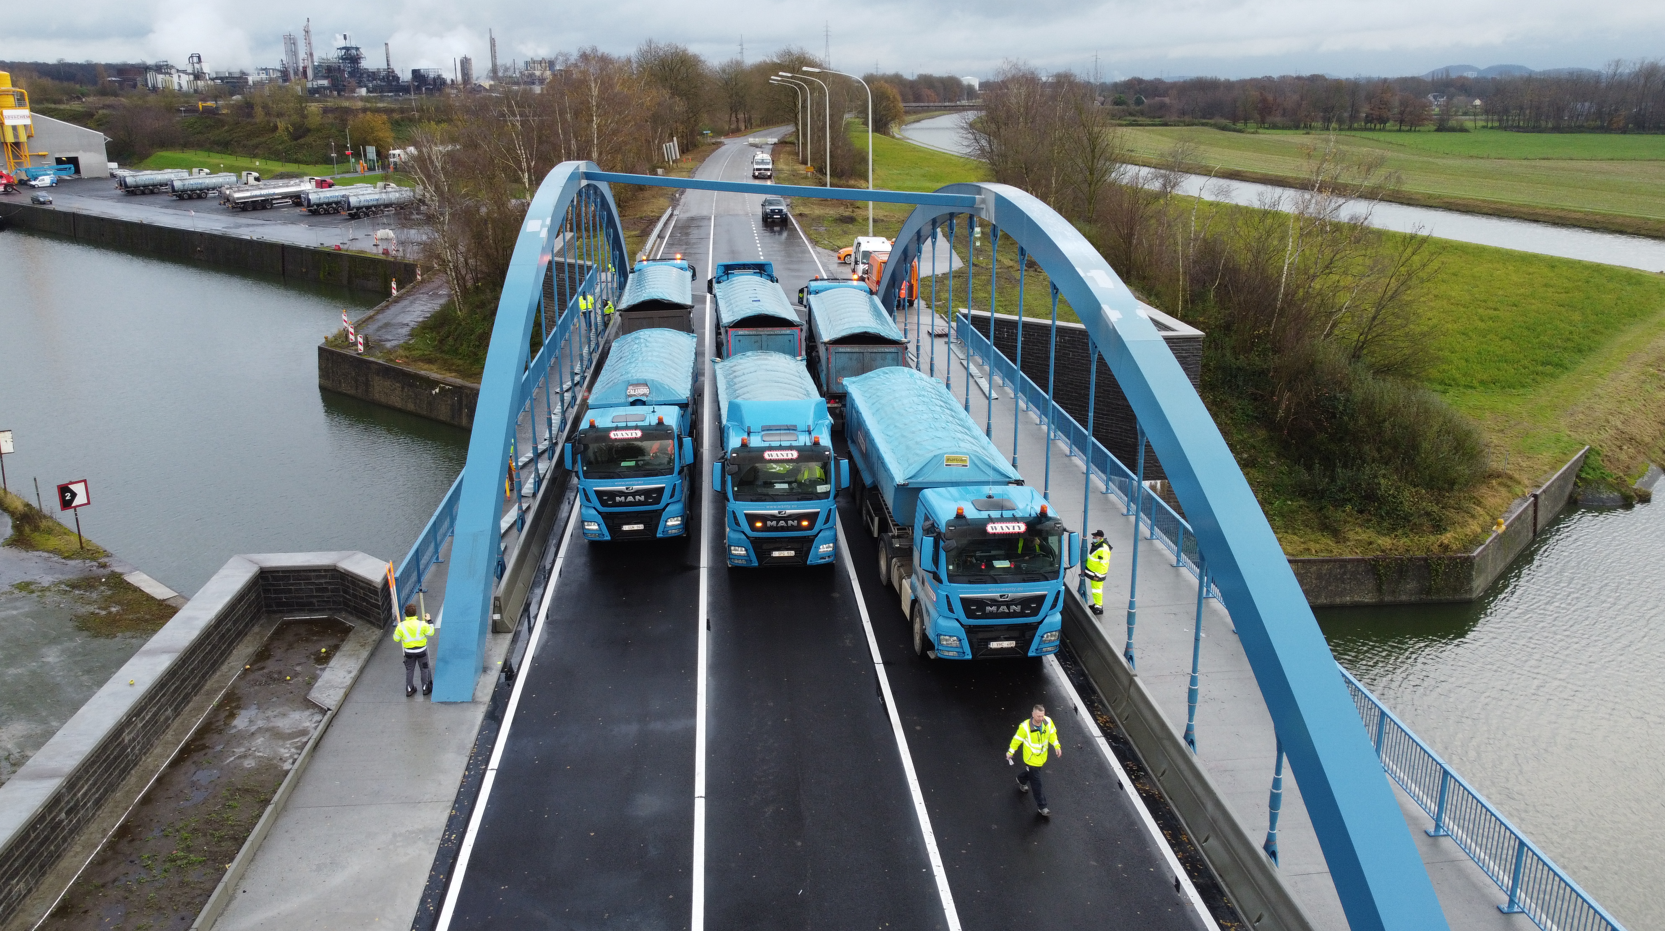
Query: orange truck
point(876, 262)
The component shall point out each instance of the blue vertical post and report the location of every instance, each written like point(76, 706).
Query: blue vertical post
point(1273, 807)
point(1017, 379)
point(1438, 830)
point(548, 404)
point(1514, 882)
point(935, 234)
point(1133, 583)
point(917, 316)
point(1087, 454)
point(970, 289)
point(994, 291)
point(1051, 402)
point(948, 363)
point(1196, 657)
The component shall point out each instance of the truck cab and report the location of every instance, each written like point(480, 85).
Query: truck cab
point(633, 454)
point(857, 253)
point(778, 473)
point(763, 166)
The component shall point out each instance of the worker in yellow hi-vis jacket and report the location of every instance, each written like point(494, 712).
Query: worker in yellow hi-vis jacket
point(1035, 735)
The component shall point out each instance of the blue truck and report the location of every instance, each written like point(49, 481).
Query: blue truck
point(778, 473)
point(634, 452)
point(850, 335)
point(659, 295)
point(975, 555)
point(753, 313)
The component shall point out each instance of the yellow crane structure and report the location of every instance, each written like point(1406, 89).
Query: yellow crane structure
point(16, 125)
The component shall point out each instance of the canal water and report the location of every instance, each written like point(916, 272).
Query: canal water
point(189, 400)
point(945, 133)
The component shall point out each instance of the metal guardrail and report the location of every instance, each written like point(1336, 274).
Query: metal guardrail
point(1166, 526)
point(1534, 884)
point(555, 375)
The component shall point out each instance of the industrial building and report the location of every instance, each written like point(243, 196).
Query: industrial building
point(59, 143)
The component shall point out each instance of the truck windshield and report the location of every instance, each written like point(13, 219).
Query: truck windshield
point(781, 474)
point(975, 556)
point(628, 452)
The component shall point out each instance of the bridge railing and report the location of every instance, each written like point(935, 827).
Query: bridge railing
point(1533, 883)
point(1158, 521)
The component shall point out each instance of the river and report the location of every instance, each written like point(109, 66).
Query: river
point(189, 400)
point(944, 132)
point(1548, 694)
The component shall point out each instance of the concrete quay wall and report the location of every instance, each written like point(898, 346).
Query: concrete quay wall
point(435, 397)
point(364, 273)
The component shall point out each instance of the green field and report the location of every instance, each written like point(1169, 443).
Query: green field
point(1613, 182)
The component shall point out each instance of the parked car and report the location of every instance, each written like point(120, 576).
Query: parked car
point(774, 210)
point(44, 181)
point(42, 198)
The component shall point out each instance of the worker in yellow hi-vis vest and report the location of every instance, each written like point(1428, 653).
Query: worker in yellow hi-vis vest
point(1097, 567)
point(412, 633)
point(1035, 735)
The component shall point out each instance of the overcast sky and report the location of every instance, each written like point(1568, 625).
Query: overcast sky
point(1230, 38)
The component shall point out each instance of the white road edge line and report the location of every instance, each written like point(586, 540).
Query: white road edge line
point(532, 642)
point(951, 914)
point(697, 921)
point(1090, 727)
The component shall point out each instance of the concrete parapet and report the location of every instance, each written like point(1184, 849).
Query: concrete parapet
point(1338, 581)
point(447, 400)
point(52, 798)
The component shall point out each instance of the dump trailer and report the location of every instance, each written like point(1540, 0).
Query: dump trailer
point(850, 335)
point(371, 203)
point(658, 294)
point(634, 451)
point(752, 312)
point(150, 182)
point(974, 554)
point(265, 195)
point(777, 472)
point(197, 187)
point(334, 199)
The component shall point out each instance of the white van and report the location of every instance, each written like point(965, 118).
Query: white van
point(763, 166)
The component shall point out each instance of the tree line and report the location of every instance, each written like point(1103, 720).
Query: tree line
point(1623, 97)
point(1314, 334)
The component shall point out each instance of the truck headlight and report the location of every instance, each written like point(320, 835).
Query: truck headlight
point(1050, 636)
point(737, 551)
point(824, 548)
point(948, 640)
point(591, 525)
point(673, 522)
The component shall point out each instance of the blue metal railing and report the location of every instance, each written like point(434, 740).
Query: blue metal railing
point(1165, 525)
point(1533, 883)
point(555, 376)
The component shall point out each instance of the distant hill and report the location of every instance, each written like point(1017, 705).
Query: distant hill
point(1499, 71)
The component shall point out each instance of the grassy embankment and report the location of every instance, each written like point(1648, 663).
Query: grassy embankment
point(33, 529)
point(1594, 180)
point(268, 168)
point(453, 342)
point(1544, 354)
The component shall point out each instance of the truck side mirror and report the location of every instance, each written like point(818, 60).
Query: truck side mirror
point(843, 474)
point(687, 449)
point(711, 286)
point(717, 476)
point(1075, 551)
point(566, 457)
point(693, 272)
point(801, 292)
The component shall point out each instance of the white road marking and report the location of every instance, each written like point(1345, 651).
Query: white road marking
point(532, 642)
point(950, 914)
point(1090, 727)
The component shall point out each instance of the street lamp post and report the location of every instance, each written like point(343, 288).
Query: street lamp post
point(826, 93)
point(809, 110)
point(798, 117)
point(869, 91)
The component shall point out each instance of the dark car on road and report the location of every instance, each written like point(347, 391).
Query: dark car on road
point(774, 210)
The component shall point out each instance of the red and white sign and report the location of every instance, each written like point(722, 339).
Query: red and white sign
point(624, 435)
point(1007, 526)
point(72, 495)
point(780, 454)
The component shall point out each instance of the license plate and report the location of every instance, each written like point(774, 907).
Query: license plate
point(1002, 644)
point(783, 553)
point(634, 527)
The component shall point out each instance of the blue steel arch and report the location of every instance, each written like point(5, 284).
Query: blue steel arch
point(475, 549)
point(1375, 866)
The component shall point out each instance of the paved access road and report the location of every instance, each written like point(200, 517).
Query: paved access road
point(695, 746)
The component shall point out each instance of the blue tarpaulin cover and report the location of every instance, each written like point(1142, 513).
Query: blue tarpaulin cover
point(743, 296)
point(661, 360)
point(657, 285)
point(763, 376)
point(918, 433)
point(839, 313)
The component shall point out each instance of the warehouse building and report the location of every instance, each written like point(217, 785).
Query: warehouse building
point(59, 143)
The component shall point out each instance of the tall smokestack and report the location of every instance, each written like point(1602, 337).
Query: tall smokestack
point(387, 49)
point(311, 63)
point(493, 56)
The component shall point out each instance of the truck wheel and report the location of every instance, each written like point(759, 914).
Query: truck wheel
point(884, 565)
point(921, 642)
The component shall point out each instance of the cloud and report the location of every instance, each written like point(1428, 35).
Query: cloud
point(1224, 37)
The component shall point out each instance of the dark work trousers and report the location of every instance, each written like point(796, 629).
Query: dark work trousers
point(412, 660)
point(1031, 777)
